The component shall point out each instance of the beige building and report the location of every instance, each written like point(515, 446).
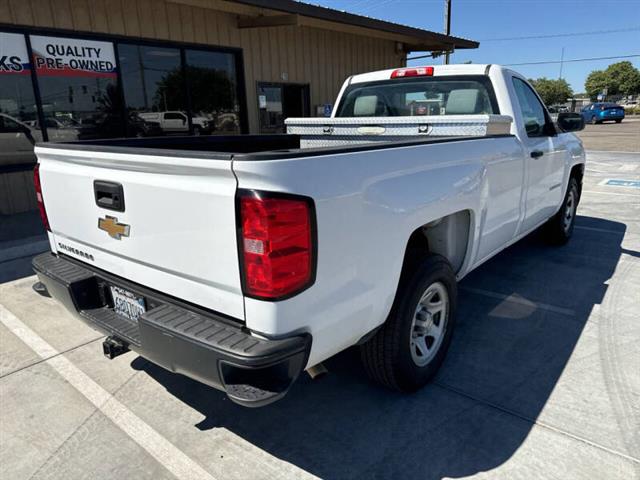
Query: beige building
point(88, 69)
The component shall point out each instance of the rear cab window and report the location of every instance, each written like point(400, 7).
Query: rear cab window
point(419, 96)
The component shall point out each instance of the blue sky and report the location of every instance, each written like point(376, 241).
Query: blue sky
point(484, 20)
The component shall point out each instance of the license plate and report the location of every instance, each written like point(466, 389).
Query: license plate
point(127, 304)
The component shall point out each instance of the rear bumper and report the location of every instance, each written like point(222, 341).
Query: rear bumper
point(182, 338)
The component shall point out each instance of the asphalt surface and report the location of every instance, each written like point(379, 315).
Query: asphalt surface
point(542, 381)
point(611, 136)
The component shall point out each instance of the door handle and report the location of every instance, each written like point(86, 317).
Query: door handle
point(109, 195)
point(537, 154)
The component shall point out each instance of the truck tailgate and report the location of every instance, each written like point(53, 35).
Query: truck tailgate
point(180, 213)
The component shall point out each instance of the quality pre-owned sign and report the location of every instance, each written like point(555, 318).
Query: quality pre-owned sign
point(13, 54)
point(70, 57)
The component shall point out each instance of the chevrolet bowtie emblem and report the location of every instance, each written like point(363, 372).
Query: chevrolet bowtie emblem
point(113, 228)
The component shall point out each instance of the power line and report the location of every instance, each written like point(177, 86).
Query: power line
point(559, 35)
point(433, 55)
point(572, 60)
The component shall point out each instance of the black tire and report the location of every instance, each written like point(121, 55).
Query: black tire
point(619, 121)
point(197, 131)
point(594, 121)
point(387, 356)
point(557, 231)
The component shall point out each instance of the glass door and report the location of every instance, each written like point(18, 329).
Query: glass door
point(279, 101)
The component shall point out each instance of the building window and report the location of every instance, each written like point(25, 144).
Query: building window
point(154, 90)
point(78, 83)
point(213, 87)
point(87, 93)
point(18, 126)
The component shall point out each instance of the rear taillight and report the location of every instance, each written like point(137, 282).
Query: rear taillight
point(36, 182)
point(412, 72)
point(277, 244)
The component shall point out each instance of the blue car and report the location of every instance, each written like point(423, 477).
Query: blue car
point(602, 112)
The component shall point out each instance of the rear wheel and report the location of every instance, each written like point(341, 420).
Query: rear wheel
point(410, 347)
point(593, 120)
point(560, 227)
point(619, 120)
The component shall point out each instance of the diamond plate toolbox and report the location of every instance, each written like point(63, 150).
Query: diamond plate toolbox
point(325, 132)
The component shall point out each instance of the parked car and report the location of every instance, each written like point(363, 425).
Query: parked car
point(57, 130)
point(629, 104)
point(17, 138)
point(558, 109)
point(241, 261)
point(177, 122)
point(603, 112)
point(110, 126)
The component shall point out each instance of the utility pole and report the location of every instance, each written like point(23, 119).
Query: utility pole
point(561, 62)
point(447, 25)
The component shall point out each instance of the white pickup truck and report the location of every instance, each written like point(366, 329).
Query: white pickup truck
point(177, 122)
point(242, 261)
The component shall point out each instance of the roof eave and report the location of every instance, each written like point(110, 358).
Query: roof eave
point(424, 39)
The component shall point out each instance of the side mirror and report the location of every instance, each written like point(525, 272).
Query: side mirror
point(570, 122)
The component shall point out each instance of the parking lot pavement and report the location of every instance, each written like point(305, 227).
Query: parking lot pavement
point(542, 381)
point(611, 136)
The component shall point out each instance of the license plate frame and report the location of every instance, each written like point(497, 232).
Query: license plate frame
point(127, 304)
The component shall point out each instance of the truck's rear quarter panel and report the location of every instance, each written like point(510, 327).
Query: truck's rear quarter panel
point(367, 204)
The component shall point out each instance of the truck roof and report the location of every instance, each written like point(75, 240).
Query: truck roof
point(438, 70)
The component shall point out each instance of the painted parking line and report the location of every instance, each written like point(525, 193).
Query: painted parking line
point(167, 454)
point(520, 301)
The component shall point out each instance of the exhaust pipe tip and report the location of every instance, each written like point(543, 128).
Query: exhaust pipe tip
point(317, 371)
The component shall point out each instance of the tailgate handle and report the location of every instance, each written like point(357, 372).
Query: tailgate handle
point(109, 195)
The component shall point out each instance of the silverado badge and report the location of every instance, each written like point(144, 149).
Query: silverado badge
point(113, 227)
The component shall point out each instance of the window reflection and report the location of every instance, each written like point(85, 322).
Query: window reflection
point(17, 103)
point(153, 90)
point(78, 88)
point(212, 82)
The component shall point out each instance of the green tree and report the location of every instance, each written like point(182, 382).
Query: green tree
point(595, 83)
point(552, 91)
point(619, 78)
point(624, 77)
point(211, 90)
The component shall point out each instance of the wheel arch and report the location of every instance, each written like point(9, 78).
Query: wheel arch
point(577, 172)
point(449, 236)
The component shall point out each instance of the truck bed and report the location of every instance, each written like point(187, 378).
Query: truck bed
point(243, 147)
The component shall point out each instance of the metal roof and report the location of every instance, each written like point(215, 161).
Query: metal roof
point(423, 39)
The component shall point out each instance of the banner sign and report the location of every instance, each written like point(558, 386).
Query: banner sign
point(70, 57)
point(13, 54)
